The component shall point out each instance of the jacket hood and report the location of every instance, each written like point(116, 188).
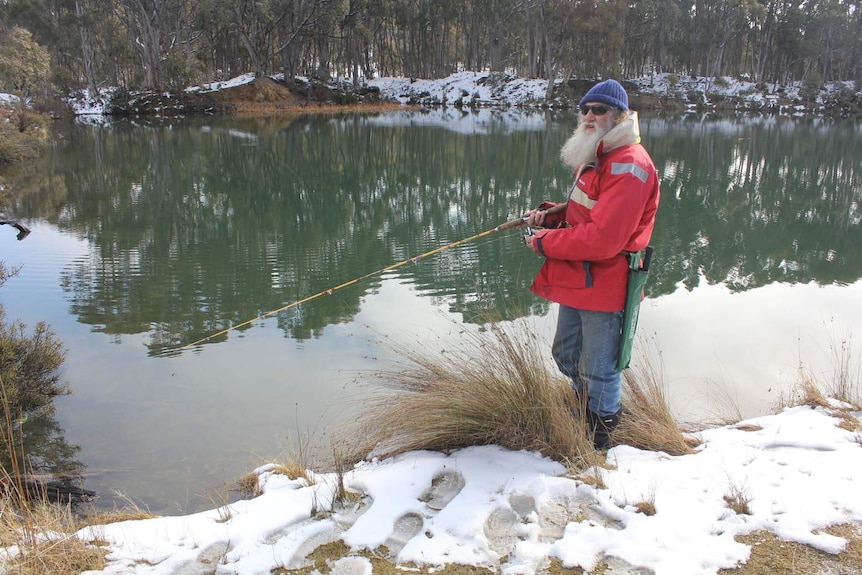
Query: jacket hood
point(626, 133)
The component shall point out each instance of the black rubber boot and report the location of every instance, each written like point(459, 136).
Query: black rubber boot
point(602, 428)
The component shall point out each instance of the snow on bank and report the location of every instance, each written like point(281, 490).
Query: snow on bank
point(8, 99)
point(466, 88)
point(483, 89)
point(513, 511)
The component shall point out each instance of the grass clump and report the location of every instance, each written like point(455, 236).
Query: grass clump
point(43, 539)
point(737, 498)
point(840, 395)
point(248, 485)
point(647, 421)
point(494, 389)
point(133, 512)
point(498, 388)
point(842, 383)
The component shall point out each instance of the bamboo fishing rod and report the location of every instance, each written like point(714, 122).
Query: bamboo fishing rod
point(508, 225)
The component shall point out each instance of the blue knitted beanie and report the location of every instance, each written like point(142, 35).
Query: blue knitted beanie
point(609, 92)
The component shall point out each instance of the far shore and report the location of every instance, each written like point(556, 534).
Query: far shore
point(672, 95)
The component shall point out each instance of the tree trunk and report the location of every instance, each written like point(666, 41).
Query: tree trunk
point(549, 58)
point(87, 54)
point(145, 26)
point(249, 35)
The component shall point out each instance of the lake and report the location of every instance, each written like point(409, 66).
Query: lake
point(150, 235)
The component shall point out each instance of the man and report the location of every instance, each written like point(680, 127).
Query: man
point(610, 210)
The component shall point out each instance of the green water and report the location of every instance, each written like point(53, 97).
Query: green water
point(150, 235)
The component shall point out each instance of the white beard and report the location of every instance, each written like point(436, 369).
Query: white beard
point(580, 148)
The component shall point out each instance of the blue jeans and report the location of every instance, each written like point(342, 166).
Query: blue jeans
point(585, 348)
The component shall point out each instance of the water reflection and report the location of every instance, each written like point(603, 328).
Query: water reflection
point(198, 226)
point(753, 202)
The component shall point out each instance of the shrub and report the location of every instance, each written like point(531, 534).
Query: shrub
point(29, 366)
point(29, 382)
point(23, 134)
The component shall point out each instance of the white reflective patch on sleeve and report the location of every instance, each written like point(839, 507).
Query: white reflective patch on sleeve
point(634, 169)
point(581, 198)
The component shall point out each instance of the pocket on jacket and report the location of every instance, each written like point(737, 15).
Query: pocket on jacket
point(570, 274)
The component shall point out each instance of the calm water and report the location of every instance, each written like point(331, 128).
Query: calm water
point(148, 236)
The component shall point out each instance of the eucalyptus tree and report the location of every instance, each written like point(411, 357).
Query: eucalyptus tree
point(653, 28)
point(536, 35)
point(296, 22)
point(763, 29)
point(45, 21)
point(83, 15)
point(221, 49)
point(422, 37)
point(790, 44)
point(593, 38)
point(471, 19)
point(717, 23)
point(829, 37)
point(254, 22)
point(325, 36)
point(356, 29)
point(855, 48)
point(505, 34)
point(549, 25)
point(151, 26)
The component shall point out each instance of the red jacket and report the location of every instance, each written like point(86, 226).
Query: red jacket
point(611, 209)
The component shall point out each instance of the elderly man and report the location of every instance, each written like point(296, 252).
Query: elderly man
point(610, 210)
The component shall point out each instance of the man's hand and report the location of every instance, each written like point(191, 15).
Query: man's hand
point(535, 217)
point(528, 236)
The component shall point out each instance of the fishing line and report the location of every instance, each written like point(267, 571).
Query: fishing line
point(510, 224)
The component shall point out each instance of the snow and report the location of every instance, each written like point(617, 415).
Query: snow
point(84, 104)
point(469, 88)
point(224, 85)
point(514, 511)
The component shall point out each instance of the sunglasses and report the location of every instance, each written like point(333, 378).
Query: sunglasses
point(596, 109)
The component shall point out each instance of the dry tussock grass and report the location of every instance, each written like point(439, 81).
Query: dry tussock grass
point(808, 391)
point(43, 536)
point(499, 388)
point(843, 382)
point(647, 421)
point(496, 389)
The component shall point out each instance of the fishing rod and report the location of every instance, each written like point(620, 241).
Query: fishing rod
point(508, 225)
